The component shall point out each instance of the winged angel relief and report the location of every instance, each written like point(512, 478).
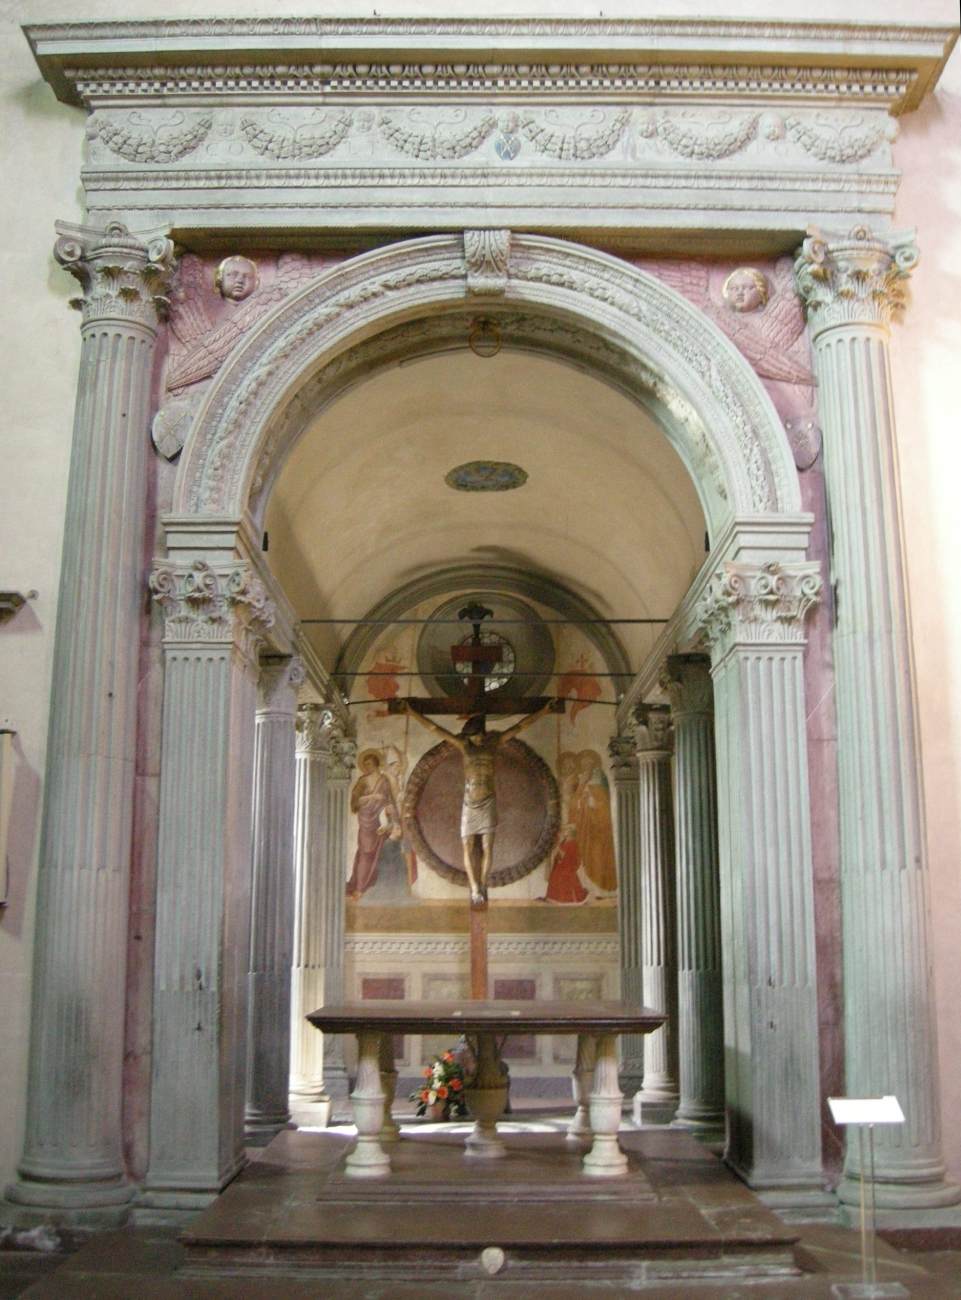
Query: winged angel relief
point(767, 326)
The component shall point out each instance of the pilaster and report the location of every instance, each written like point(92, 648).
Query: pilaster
point(311, 903)
point(72, 1167)
point(852, 287)
point(624, 771)
point(657, 1100)
point(215, 617)
point(753, 617)
point(272, 901)
point(687, 682)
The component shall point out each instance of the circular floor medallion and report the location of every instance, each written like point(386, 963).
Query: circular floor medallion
point(486, 476)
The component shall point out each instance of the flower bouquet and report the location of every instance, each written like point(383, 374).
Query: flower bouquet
point(442, 1092)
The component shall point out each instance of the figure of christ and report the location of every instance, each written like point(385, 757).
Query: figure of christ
point(477, 747)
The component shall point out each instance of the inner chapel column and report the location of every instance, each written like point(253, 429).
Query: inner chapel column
point(272, 899)
point(72, 1162)
point(215, 616)
point(699, 1012)
point(852, 286)
point(624, 772)
point(753, 616)
point(658, 1098)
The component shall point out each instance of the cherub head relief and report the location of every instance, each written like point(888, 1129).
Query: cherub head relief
point(745, 289)
point(236, 278)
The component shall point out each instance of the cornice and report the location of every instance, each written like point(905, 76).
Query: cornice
point(411, 55)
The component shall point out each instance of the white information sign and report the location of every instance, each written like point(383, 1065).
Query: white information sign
point(866, 1110)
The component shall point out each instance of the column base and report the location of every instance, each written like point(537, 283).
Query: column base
point(933, 1194)
point(652, 1109)
point(313, 1113)
point(259, 1130)
point(168, 1199)
point(93, 1205)
point(709, 1127)
point(803, 1204)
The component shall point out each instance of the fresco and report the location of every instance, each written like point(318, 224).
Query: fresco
point(385, 880)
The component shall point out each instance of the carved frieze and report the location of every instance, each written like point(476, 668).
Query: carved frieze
point(151, 137)
point(759, 604)
point(859, 278)
point(283, 137)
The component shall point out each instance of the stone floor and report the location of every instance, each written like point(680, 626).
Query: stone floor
point(291, 1226)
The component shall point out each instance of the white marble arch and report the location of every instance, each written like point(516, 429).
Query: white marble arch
point(623, 324)
point(713, 407)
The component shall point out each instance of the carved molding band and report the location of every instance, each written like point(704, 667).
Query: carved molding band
point(124, 279)
point(212, 603)
point(855, 279)
point(759, 604)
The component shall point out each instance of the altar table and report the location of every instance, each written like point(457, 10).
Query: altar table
point(596, 1092)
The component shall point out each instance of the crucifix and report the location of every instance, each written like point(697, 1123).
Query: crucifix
point(477, 747)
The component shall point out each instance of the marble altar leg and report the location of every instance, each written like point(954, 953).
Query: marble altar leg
point(629, 904)
point(657, 1101)
point(486, 1098)
point(390, 1131)
point(271, 909)
point(852, 285)
point(72, 1168)
point(699, 1014)
point(753, 616)
point(605, 1158)
point(215, 616)
point(582, 1076)
point(368, 1159)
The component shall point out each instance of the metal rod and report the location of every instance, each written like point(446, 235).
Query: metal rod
point(500, 622)
point(614, 704)
point(359, 672)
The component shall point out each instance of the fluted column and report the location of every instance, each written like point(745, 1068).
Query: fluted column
point(72, 1166)
point(753, 617)
point(657, 1100)
point(310, 903)
point(272, 899)
point(627, 846)
point(852, 285)
point(214, 616)
point(699, 1012)
point(325, 939)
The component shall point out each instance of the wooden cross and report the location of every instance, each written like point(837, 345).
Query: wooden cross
point(476, 701)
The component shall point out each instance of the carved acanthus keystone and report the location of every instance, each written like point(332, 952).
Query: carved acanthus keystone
point(313, 726)
point(760, 604)
point(212, 603)
point(623, 752)
point(487, 254)
point(686, 680)
point(857, 279)
point(123, 277)
point(653, 733)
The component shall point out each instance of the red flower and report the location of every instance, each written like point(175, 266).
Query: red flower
point(448, 1056)
point(425, 1095)
point(456, 1084)
point(442, 1092)
point(428, 1072)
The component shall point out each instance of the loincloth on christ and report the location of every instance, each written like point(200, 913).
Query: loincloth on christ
point(478, 818)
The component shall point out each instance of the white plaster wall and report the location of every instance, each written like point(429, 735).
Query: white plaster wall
point(41, 143)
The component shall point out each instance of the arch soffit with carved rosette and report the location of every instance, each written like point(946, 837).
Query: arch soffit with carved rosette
point(559, 297)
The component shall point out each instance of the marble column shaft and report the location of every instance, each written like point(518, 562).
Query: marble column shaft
point(272, 898)
point(654, 743)
point(215, 616)
point(626, 828)
point(753, 616)
point(310, 902)
point(699, 1016)
point(72, 1161)
point(852, 286)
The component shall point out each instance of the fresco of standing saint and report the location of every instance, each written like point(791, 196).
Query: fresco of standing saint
point(592, 820)
point(563, 883)
point(374, 803)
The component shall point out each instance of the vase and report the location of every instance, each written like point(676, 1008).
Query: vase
point(438, 1110)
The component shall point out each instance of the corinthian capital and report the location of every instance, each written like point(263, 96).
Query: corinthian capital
point(759, 604)
point(853, 279)
point(314, 730)
point(653, 734)
point(343, 752)
point(623, 752)
point(212, 603)
point(124, 277)
point(686, 680)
